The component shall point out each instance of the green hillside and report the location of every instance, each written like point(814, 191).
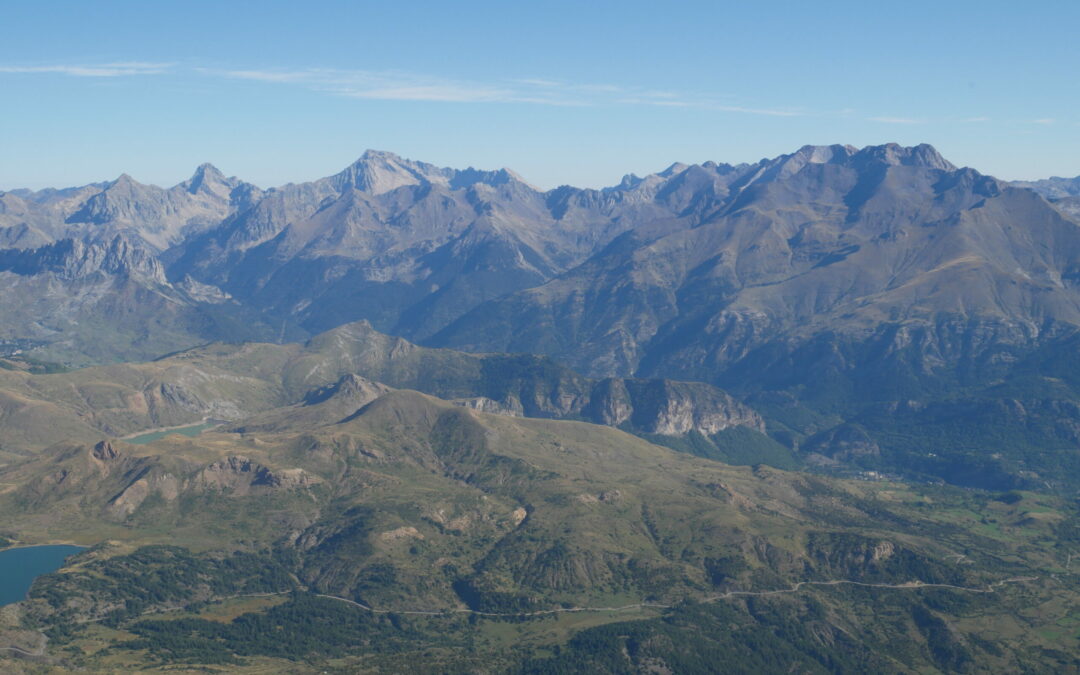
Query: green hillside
point(512, 544)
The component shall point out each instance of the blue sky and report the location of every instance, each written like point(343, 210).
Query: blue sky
point(561, 92)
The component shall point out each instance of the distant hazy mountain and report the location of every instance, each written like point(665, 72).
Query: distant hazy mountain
point(886, 245)
point(871, 236)
point(407, 245)
point(160, 217)
point(1053, 188)
point(1064, 193)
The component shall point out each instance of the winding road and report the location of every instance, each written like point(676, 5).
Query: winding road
point(910, 585)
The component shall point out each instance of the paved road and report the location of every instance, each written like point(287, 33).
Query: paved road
point(910, 585)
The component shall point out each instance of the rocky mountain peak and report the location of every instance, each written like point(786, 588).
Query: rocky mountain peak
point(207, 178)
point(923, 155)
point(382, 155)
point(890, 154)
point(673, 170)
point(378, 172)
point(349, 387)
point(824, 154)
point(123, 187)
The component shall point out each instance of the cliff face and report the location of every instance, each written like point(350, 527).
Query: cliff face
point(666, 407)
point(72, 259)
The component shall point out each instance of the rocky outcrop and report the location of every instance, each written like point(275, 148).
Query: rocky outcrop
point(351, 388)
point(511, 406)
point(72, 259)
point(162, 484)
point(104, 451)
point(239, 476)
point(668, 408)
point(651, 406)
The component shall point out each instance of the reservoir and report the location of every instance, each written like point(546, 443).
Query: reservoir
point(20, 566)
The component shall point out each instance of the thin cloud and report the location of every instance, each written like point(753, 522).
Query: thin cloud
point(405, 86)
point(896, 120)
point(535, 82)
point(122, 69)
point(757, 111)
point(408, 86)
point(975, 120)
point(1045, 121)
point(444, 92)
point(401, 86)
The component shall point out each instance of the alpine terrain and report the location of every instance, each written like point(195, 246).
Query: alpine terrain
point(818, 413)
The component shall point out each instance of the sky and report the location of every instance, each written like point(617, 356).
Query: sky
point(576, 93)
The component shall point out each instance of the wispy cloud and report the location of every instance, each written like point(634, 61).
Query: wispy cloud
point(410, 86)
point(974, 120)
point(404, 86)
point(757, 111)
point(1045, 121)
point(896, 120)
point(438, 92)
point(121, 69)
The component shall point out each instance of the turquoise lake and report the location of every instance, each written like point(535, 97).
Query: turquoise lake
point(191, 432)
point(20, 566)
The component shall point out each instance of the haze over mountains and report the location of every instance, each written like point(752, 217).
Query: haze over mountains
point(413, 248)
point(829, 288)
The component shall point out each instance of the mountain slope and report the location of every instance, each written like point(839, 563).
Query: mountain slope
point(823, 286)
point(415, 504)
point(827, 239)
point(291, 381)
point(831, 283)
point(404, 244)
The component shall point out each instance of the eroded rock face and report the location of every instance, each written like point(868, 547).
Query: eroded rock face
point(511, 407)
point(71, 259)
point(239, 476)
point(165, 485)
point(669, 408)
point(233, 476)
point(611, 403)
point(356, 389)
point(104, 451)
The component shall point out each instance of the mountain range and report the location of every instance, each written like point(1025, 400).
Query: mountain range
point(818, 413)
point(827, 288)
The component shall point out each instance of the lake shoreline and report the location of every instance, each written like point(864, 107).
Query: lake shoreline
point(207, 423)
point(47, 543)
point(21, 566)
